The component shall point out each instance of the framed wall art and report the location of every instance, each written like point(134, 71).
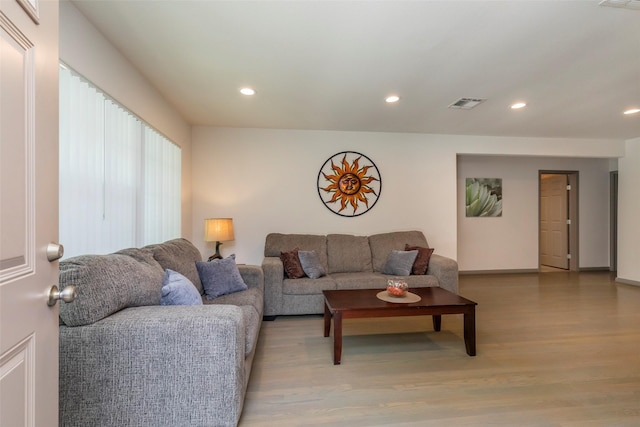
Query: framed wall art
point(349, 183)
point(483, 197)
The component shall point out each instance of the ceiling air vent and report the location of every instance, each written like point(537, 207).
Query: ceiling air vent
point(466, 103)
point(627, 4)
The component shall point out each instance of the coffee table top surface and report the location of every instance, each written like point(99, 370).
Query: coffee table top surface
point(355, 299)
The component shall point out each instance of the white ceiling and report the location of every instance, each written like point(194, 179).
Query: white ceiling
point(330, 64)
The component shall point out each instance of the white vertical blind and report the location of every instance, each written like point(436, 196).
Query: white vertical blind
point(122, 159)
point(161, 209)
point(119, 178)
point(81, 165)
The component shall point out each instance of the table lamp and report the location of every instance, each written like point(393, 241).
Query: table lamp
point(218, 230)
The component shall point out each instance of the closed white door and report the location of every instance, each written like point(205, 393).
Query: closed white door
point(554, 230)
point(28, 212)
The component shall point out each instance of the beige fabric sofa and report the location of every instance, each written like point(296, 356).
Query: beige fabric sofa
point(351, 262)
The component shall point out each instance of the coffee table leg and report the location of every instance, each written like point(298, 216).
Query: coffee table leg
point(337, 337)
point(437, 322)
point(327, 320)
point(470, 331)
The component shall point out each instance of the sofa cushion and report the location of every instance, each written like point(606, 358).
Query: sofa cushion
point(367, 280)
point(178, 290)
point(109, 283)
point(179, 255)
point(311, 264)
point(400, 262)
point(348, 254)
point(382, 244)
point(306, 286)
point(291, 263)
point(421, 264)
point(252, 296)
point(378, 281)
point(277, 242)
point(420, 280)
point(220, 277)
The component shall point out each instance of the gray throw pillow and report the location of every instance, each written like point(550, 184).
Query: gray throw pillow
point(178, 290)
point(220, 277)
point(399, 263)
point(311, 264)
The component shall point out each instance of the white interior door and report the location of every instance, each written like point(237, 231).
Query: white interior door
point(28, 212)
point(554, 230)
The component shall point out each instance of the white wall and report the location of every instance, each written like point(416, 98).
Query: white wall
point(510, 242)
point(267, 181)
point(629, 214)
point(85, 50)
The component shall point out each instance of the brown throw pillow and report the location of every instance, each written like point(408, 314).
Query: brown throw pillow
point(292, 267)
point(421, 264)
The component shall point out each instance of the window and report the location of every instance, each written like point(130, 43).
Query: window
point(119, 178)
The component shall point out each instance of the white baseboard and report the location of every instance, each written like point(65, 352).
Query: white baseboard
point(627, 281)
point(525, 270)
point(514, 271)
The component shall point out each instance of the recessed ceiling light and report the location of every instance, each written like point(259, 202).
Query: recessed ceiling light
point(518, 105)
point(632, 111)
point(391, 99)
point(247, 91)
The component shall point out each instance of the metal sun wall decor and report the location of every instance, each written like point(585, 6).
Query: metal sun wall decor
point(483, 197)
point(349, 184)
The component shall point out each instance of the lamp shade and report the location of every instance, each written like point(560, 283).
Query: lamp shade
point(218, 229)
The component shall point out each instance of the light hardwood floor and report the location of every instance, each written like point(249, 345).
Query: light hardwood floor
point(554, 349)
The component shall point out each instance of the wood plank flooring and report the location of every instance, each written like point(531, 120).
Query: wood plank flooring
point(554, 349)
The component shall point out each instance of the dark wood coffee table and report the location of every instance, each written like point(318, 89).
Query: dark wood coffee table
point(356, 303)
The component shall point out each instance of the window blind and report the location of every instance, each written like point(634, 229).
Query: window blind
point(119, 178)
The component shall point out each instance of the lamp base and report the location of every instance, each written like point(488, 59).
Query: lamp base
point(217, 254)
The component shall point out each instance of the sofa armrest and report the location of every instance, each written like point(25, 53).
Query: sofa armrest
point(446, 270)
point(273, 281)
point(155, 366)
point(252, 275)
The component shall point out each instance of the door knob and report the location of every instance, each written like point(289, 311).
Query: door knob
point(68, 294)
point(54, 251)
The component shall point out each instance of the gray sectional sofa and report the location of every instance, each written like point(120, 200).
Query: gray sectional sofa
point(126, 360)
point(351, 262)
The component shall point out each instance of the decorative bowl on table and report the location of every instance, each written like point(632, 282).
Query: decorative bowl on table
point(397, 288)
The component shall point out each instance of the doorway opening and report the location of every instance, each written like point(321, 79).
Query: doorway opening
point(558, 221)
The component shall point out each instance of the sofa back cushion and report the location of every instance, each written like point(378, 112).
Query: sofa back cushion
point(348, 254)
point(179, 255)
point(109, 283)
point(382, 245)
point(276, 243)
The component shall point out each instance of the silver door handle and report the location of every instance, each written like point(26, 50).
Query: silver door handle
point(68, 294)
point(54, 251)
